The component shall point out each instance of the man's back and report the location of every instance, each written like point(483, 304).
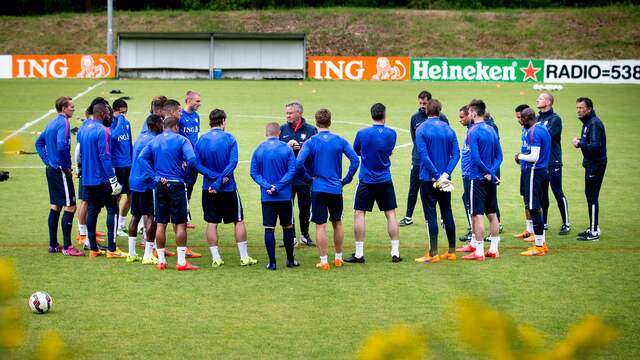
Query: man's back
point(537, 136)
point(137, 180)
point(271, 161)
point(325, 155)
point(375, 145)
point(218, 151)
point(95, 152)
point(486, 154)
point(169, 151)
point(437, 140)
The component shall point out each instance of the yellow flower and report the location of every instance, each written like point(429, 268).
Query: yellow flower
point(530, 336)
point(11, 332)
point(8, 283)
point(586, 336)
point(50, 347)
point(399, 342)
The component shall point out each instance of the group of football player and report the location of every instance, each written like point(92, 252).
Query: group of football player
point(154, 178)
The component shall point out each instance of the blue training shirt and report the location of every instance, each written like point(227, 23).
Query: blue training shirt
point(273, 163)
point(325, 151)
point(165, 156)
point(537, 135)
point(95, 153)
point(53, 145)
point(375, 145)
point(438, 149)
point(217, 150)
point(138, 181)
point(189, 126)
point(485, 150)
point(465, 157)
point(121, 142)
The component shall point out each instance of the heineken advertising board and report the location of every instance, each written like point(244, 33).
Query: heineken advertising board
point(477, 70)
point(398, 68)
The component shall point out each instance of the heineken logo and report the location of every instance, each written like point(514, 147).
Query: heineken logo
point(502, 70)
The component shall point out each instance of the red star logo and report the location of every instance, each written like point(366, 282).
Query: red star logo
point(530, 72)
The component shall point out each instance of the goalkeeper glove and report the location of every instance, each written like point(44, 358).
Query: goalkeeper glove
point(116, 188)
point(443, 185)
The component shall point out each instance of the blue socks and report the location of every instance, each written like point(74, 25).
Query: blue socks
point(270, 244)
point(54, 217)
point(289, 235)
point(67, 225)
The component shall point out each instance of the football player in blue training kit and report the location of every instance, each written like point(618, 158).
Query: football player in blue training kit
point(190, 128)
point(593, 144)
point(534, 153)
point(163, 160)
point(527, 234)
point(99, 179)
point(374, 145)
point(217, 150)
point(465, 162)
point(414, 178)
point(439, 153)
point(54, 148)
point(553, 123)
point(324, 154)
point(172, 108)
point(273, 167)
point(486, 157)
point(295, 132)
point(142, 197)
point(121, 157)
point(83, 205)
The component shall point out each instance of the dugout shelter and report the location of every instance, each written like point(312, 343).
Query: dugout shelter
point(201, 55)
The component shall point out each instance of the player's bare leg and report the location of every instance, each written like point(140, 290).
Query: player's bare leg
point(394, 235)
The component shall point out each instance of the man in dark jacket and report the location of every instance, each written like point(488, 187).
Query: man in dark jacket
point(414, 183)
point(295, 132)
point(593, 144)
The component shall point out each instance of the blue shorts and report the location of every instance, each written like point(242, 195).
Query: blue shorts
point(325, 205)
point(222, 206)
point(61, 190)
point(381, 193)
point(535, 182)
point(99, 196)
point(122, 174)
point(82, 193)
point(142, 203)
point(171, 203)
point(483, 197)
point(272, 210)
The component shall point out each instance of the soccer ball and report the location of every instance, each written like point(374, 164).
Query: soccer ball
point(40, 302)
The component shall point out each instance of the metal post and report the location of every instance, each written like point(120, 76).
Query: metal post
point(109, 27)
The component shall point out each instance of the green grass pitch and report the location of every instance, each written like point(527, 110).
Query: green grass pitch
point(109, 309)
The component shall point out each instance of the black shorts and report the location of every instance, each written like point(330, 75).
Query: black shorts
point(82, 193)
point(122, 174)
point(483, 197)
point(142, 203)
point(272, 210)
point(61, 190)
point(100, 196)
point(382, 193)
point(323, 204)
point(222, 206)
point(535, 182)
point(171, 203)
point(522, 181)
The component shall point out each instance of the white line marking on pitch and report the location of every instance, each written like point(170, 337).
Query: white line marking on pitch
point(48, 113)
